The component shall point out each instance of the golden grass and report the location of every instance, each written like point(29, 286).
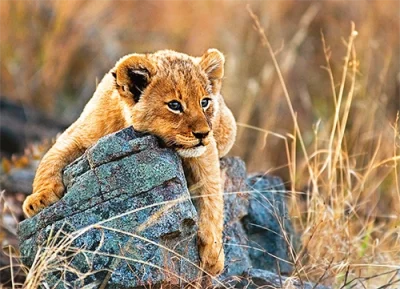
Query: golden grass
point(343, 232)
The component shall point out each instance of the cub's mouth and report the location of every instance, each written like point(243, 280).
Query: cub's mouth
point(192, 148)
point(193, 152)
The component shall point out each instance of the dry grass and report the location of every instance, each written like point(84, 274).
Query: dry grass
point(320, 110)
point(346, 240)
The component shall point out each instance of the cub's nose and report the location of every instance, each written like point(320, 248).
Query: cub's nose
point(201, 135)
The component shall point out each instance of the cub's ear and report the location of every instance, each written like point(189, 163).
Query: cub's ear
point(133, 75)
point(212, 62)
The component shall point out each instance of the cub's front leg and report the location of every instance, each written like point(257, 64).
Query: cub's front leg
point(203, 176)
point(48, 187)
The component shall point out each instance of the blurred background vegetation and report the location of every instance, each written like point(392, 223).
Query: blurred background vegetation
point(53, 53)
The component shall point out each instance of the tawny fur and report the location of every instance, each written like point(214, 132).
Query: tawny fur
point(137, 92)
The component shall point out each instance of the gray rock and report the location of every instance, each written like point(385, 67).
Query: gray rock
point(117, 185)
point(233, 171)
point(269, 230)
point(255, 218)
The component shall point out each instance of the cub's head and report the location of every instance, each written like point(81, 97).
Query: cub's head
point(172, 95)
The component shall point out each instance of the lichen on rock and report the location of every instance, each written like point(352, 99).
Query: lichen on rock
point(125, 185)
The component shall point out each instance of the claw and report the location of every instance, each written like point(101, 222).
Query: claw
point(36, 202)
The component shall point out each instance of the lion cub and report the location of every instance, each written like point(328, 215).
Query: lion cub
point(174, 96)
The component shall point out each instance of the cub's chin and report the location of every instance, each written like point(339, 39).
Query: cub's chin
point(194, 152)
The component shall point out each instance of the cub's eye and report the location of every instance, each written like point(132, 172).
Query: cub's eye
point(205, 102)
point(175, 106)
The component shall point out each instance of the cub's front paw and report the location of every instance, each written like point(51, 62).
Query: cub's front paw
point(36, 202)
point(212, 256)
